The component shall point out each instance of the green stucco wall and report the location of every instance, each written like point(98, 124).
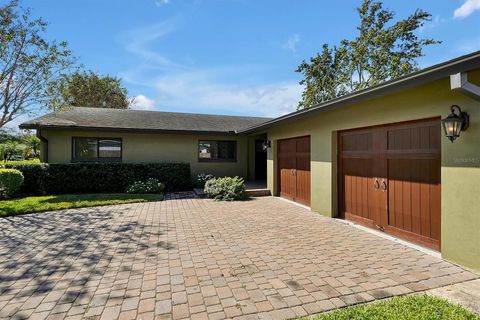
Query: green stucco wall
point(150, 147)
point(460, 233)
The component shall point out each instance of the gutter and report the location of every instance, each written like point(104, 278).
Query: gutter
point(459, 83)
point(28, 126)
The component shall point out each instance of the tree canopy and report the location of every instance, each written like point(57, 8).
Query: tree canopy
point(87, 89)
point(383, 50)
point(27, 61)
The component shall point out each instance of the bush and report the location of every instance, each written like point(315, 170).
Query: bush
point(99, 177)
point(10, 182)
point(17, 162)
point(146, 187)
point(202, 178)
point(226, 189)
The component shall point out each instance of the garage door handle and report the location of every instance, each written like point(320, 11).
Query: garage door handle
point(384, 185)
point(375, 184)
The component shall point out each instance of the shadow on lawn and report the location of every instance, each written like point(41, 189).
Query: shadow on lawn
point(67, 250)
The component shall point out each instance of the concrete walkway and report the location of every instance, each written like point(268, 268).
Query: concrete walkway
point(466, 294)
point(195, 258)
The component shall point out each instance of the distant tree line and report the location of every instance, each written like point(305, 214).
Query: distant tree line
point(19, 146)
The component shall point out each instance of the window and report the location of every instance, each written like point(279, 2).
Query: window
point(217, 150)
point(97, 149)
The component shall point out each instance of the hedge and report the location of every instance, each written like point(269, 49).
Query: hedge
point(96, 177)
point(10, 182)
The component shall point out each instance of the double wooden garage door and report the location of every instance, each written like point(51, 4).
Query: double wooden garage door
point(294, 169)
point(390, 179)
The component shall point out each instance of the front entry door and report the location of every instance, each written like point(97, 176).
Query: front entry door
point(294, 169)
point(390, 179)
point(260, 160)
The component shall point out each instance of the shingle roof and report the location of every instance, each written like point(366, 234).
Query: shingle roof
point(137, 120)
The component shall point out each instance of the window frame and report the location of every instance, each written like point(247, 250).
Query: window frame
point(98, 158)
point(234, 159)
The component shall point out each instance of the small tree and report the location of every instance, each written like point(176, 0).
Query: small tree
point(383, 50)
point(10, 149)
point(32, 145)
point(27, 61)
point(87, 89)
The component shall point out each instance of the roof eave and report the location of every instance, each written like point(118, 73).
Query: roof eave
point(27, 126)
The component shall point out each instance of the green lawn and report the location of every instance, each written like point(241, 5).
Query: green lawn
point(415, 307)
point(48, 203)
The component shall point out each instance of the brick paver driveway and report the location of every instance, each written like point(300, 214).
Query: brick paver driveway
point(193, 258)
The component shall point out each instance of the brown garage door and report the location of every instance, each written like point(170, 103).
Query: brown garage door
point(294, 169)
point(390, 179)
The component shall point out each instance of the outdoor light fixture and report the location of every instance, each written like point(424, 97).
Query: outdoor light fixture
point(266, 144)
point(455, 122)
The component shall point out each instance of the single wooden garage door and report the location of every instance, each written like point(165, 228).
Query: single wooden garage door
point(294, 169)
point(390, 179)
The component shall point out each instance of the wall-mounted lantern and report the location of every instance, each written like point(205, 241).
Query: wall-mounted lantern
point(455, 123)
point(266, 144)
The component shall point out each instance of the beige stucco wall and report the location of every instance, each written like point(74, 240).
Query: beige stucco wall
point(460, 240)
point(150, 147)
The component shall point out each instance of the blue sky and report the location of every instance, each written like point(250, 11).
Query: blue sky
point(229, 56)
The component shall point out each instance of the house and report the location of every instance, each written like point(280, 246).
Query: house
point(377, 157)
point(210, 143)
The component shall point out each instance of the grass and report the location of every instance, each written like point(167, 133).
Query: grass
point(415, 307)
point(48, 203)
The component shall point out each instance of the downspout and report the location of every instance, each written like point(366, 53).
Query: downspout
point(45, 145)
point(459, 83)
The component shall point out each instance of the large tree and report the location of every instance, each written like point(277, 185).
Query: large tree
point(87, 89)
point(27, 61)
point(383, 50)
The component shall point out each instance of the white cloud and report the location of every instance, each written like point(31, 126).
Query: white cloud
point(436, 21)
point(161, 3)
point(185, 87)
point(467, 8)
point(138, 42)
point(291, 43)
point(142, 102)
point(204, 89)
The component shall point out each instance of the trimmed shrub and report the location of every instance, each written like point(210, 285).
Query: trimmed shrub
point(226, 189)
point(146, 187)
point(99, 177)
point(10, 182)
point(35, 177)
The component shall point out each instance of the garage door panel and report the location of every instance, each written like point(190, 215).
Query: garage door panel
point(358, 183)
point(294, 169)
point(357, 142)
point(405, 158)
point(286, 167)
point(303, 179)
point(414, 196)
point(414, 137)
point(286, 181)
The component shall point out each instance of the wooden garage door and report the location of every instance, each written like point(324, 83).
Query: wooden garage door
point(294, 169)
point(390, 179)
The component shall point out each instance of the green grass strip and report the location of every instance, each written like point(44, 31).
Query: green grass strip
point(48, 203)
point(414, 307)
